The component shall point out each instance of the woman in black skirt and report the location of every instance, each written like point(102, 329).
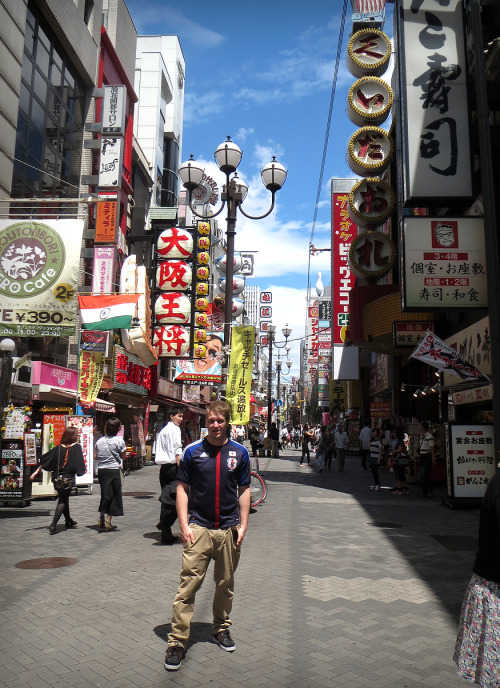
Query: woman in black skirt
point(65, 461)
point(110, 454)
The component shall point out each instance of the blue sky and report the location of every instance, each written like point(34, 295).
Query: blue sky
point(262, 73)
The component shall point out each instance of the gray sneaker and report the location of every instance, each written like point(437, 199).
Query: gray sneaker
point(224, 640)
point(173, 657)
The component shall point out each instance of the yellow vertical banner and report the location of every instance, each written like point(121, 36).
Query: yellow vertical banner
point(239, 381)
point(90, 375)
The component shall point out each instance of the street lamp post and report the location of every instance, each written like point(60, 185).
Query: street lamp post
point(271, 329)
point(7, 346)
point(228, 156)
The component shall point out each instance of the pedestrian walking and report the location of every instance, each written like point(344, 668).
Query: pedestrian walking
point(307, 435)
point(427, 458)
point(322, 448)
point(401, 461)
point(110, 455)
point(168, 454)
point(341, 442)
point(65, 461)
point(365, 437)
point(214, 474)
point(330, 448)
point(275, 440)
point(375, 459)
point(477, 650)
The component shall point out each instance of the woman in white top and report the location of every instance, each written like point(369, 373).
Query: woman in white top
point(110, 454)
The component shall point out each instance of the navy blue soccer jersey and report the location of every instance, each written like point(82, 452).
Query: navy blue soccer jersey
point(214, 475)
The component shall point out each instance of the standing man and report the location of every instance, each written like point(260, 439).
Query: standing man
point(215, 474)
point(275, 440)
point(168, 454)
point(427, 458)
point(365, 437)
point(341, 442)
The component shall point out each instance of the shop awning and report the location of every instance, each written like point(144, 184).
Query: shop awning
point(104, 406)
point(50, 393)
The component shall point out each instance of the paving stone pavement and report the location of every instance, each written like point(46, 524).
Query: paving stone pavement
point(324, 595)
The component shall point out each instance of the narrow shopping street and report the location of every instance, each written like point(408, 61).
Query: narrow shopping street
point(338, 586)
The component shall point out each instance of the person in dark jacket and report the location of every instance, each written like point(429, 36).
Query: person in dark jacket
point(477, 650)
point(65, 461)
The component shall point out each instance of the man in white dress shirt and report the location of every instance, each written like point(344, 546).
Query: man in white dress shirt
point(168, 455)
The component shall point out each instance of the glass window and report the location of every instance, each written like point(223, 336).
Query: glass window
point(27, 69)
point(35, 144)
point(24, 99)
point(42, 36)
point(37, 114)
point(30, 40)
point(55, 76)
point(57, 58)
point(42, 59)
point(40, 86)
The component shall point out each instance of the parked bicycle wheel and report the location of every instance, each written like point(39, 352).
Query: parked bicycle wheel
point(258, 489)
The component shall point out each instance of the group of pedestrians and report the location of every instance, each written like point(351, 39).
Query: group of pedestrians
point(66, 461)
point(328, 442)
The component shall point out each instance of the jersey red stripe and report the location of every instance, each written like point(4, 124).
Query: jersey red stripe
point(217, 490)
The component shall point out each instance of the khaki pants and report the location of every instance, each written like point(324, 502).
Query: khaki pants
point(209, 544)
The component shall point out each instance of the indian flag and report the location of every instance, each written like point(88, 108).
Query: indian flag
point(107, 312)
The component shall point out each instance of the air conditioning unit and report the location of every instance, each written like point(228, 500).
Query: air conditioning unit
point(21, 376)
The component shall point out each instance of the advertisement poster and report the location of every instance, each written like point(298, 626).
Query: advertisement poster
point(11, 480)
point(202, 370)
point(30, 448)
point(39, 264)
point(343, 280)
point(444, 263)
point(54, 424)
point(85, 427)
point(472, 459)
point(91, 373)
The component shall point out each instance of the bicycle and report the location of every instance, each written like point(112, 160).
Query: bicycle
point(258, 486)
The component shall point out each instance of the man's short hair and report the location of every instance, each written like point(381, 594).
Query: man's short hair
point(175, 410)
point(219, 408)
point(425, 425)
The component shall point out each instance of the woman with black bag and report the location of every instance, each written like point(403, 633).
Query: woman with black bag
point(110, 452)
point(65, 461)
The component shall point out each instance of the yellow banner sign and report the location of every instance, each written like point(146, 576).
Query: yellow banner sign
point(90, 374)
point(239, 380)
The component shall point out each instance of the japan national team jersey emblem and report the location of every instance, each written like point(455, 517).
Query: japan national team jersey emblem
point(232, 462)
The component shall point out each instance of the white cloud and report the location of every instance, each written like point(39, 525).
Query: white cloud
point(148, 19)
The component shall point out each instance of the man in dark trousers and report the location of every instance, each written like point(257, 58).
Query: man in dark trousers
point(275, 440)
point(215, 474)
point(168, 454)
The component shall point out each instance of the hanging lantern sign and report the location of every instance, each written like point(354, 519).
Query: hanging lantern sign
point(175, 243)
point(171, 341)
point(222, 261)
point(370, 151)
point(201, 320)
point(202, 273)
point(200, 351)
point(369, 101)
point(172, 307)
point(201, 304)
point(204, 228)
point(238, 306)
point(372, 255)
point(201, 289)
point(368, 52)
point(371, 202)
point(203, 243)
point(200, 336)
point(174, 275)
point(203, 258)
point(238, 284)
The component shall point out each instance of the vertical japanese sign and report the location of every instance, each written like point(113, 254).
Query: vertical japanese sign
point(444, 263)
point(113, 110)
point(472, 459)
point(239, 381)
point(434, 94)
point(104, 269)
point(105, 226)
point(85, 427)
point(110, 164)
point(91, 369)
point(343, 233)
